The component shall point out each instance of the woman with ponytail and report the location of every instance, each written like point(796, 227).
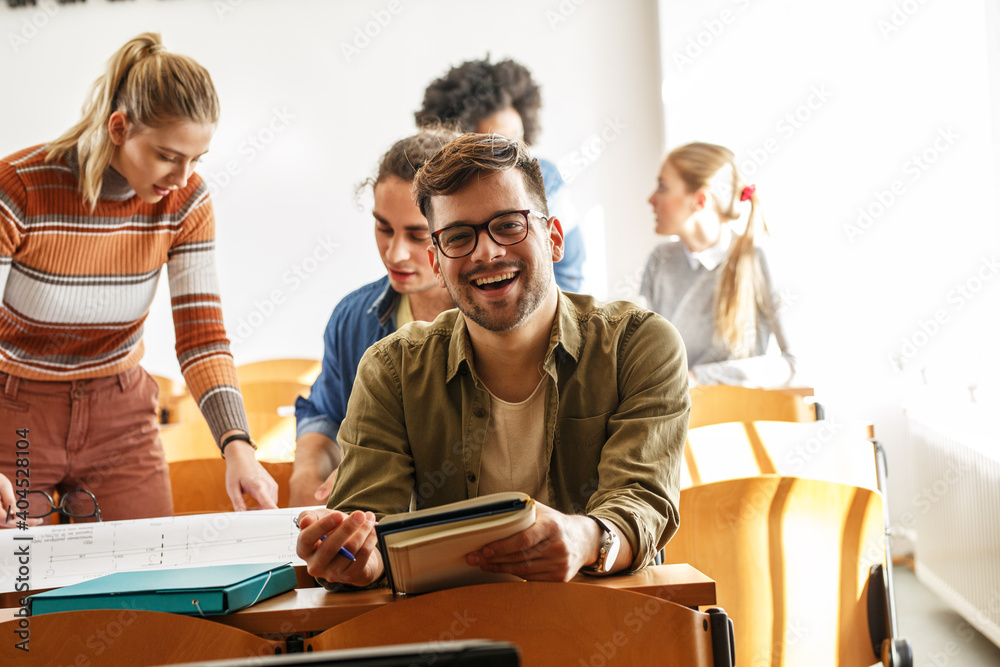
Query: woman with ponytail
point(86, 224)
point(711, 283)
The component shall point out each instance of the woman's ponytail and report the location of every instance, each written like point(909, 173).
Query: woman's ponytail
point(741, 290)
point(151, 87)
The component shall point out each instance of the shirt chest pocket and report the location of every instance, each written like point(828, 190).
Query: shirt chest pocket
point(581, 440)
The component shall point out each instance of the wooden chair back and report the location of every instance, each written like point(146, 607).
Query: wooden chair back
point(270, 415)
point(302, 371)
point(270, 407)
point(830, 450)
point(171, 393)
point(199, 485)
point(190, 438)
point(551, 623)
point(128, 637)
point(790, 558)
point(720, 403)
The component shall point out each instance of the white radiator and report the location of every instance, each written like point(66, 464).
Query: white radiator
point(956, 461)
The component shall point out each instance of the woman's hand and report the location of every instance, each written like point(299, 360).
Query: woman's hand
point(245, 474)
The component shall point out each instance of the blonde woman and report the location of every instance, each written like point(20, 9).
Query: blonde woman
point(86, 224)
point(712, 283)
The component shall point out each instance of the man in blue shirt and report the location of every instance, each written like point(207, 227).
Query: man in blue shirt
point(409, 292)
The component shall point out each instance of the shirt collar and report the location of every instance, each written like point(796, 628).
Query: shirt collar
point(384, 305)
point(714, 255)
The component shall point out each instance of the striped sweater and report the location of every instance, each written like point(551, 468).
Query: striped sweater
point(77, 284)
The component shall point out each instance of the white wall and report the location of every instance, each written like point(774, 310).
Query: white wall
point(829, 105)
point(321, 111)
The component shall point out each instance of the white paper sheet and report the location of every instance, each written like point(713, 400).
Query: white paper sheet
point(67, 554)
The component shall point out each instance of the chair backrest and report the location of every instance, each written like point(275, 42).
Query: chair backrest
point(790, 558)
point(171, 393)
point(271, 416)
point(189, 438)
point(199, 485)
point(720, 403)
point(831, 450)
point(551, 623)
point(303, 371)
point(128, 637)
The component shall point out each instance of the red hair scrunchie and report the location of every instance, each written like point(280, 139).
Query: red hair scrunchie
point(748, 192)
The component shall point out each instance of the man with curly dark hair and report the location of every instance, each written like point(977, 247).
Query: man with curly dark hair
point(503, 98)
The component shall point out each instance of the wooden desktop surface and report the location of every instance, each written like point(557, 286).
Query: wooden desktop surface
point(509, 611)
point(315, 609)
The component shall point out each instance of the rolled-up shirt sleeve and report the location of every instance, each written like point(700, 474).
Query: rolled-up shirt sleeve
point(639, 470)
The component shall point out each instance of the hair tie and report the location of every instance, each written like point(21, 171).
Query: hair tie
point(748, 192)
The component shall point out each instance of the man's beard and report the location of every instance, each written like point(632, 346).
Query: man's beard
point(531, 296)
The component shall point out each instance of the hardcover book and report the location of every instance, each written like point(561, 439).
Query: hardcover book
point(197, 591)
point(425, 550)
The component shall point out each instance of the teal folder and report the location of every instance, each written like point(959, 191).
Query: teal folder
point(198, 591)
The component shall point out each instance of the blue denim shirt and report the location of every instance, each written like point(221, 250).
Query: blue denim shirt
point(362, 317)
point(568, 270)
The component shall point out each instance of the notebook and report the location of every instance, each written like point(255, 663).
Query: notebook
point(197, 591)
point(425, 550)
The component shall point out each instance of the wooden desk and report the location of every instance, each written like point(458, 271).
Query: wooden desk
point(551, 623)
point(314, 609)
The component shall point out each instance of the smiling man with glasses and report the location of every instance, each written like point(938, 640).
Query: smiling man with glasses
point(581, 405)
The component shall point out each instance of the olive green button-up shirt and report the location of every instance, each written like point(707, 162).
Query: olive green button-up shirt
point(616, 419)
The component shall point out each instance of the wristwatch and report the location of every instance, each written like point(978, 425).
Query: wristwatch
point(608, 552)
point(245, 437)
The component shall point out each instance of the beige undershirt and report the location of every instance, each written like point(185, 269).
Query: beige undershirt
point(514, 452)
point(404, 314)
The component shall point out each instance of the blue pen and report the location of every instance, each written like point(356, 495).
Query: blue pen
point(342, 551)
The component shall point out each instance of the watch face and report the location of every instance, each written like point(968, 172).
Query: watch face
point(613, 548)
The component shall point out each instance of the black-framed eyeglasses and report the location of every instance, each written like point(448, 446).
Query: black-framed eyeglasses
point(508, 228)
point(76, 504)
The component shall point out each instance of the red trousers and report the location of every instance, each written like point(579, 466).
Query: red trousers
point(100, 435)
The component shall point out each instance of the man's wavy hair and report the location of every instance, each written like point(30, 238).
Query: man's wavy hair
point(408, 155)
point(475, 155)
point(478, 89)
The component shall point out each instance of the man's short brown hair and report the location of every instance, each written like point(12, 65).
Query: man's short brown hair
point(471, 155)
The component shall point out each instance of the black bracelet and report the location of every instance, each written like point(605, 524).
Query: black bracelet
point(245, 437)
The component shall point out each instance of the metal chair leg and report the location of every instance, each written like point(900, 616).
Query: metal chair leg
point(896, 652)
